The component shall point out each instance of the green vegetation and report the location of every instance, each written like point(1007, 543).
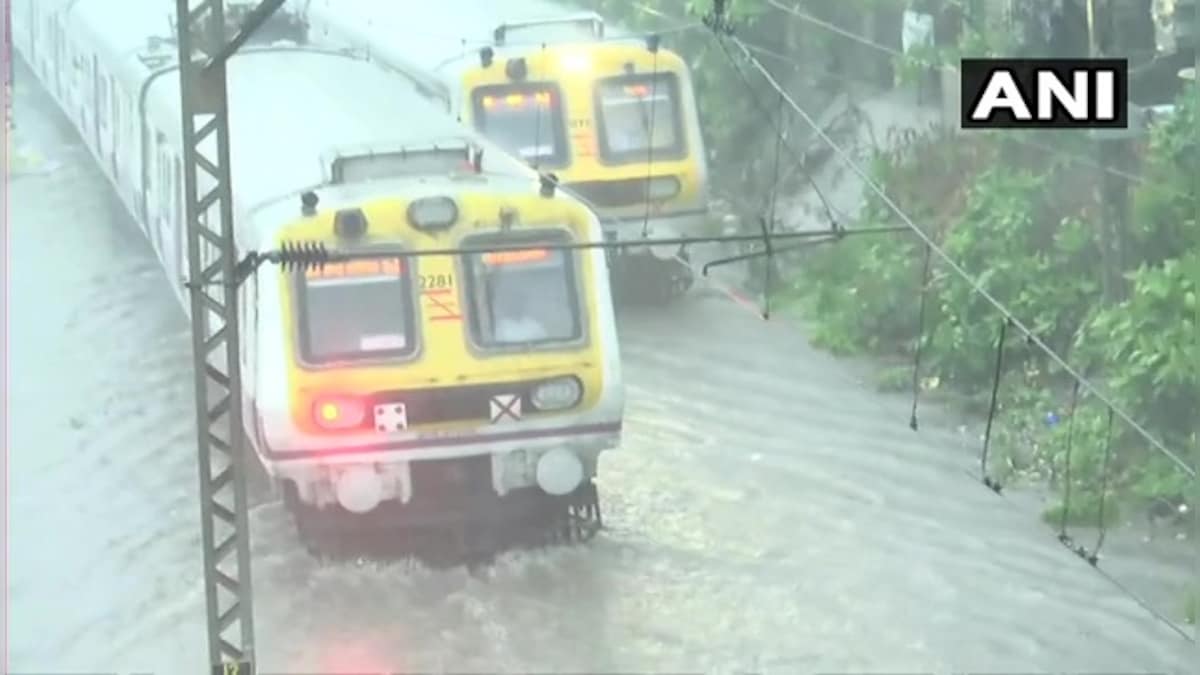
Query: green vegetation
point(1028, 226)
point(1028, 229)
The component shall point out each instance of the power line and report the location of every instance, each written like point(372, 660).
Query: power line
point(858, 170)
point(999, 307)
point(1010, 320)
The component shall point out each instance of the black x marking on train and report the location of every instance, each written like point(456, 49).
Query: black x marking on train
point(501, 409)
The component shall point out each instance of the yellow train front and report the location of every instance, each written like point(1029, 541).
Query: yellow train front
point(439, 389)
point(615, 120)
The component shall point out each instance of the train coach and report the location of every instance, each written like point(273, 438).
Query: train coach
point(615, 119)
point(413, 390)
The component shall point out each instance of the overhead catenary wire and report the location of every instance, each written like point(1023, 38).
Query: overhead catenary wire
point(300, 255)
point(719, 27)
point(682, 26)
point(1079, 381)
point(870, 183)
point(857, 169)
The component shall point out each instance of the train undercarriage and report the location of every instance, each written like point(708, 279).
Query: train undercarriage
point(640, 276)
point(447, 524)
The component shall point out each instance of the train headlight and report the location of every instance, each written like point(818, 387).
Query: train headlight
point(339, 412)
point(359, 489)
point(559, 472)
point(576, 62)
point(662, 187)
point(557, 394)
point(432, 213)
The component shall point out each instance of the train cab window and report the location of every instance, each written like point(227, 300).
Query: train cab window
point(525, 120)
point(357, 310)
point(636, 111)
point(526, 297)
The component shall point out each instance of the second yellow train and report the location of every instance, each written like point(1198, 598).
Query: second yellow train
point(612, 115)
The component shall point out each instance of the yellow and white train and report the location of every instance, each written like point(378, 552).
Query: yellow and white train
point(614, 119)
point(377, 392)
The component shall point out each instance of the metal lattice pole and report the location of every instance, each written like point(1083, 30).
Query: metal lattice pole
point(212, 261)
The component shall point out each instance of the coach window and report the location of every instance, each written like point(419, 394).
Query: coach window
point(102, 105)
point(114, 96)
point(357, 310)
point(639, 114)
point(524, 297)
point(164, 183)
point(181, 234)
point(524, 119)
point(177, 190)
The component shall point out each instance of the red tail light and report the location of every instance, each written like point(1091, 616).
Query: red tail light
point(338, 412)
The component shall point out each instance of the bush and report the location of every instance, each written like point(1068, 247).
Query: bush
point(1023, 225)
point(1026, 233)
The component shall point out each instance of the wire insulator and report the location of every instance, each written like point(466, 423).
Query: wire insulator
point(305, 255)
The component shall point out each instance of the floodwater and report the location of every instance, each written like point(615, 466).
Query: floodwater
point(766, 513)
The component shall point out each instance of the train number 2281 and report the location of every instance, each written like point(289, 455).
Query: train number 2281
point(430, 282)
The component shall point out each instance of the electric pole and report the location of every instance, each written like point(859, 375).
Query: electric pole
point(204, 49)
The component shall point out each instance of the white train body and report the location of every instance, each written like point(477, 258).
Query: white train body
point(111, 66)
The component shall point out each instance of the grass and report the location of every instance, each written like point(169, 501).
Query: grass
point(1085, 511)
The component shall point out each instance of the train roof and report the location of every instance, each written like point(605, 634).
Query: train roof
point(292, 109)
point(452, 29)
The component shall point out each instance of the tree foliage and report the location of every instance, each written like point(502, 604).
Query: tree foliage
point(1025, 226)
point(1029, 236)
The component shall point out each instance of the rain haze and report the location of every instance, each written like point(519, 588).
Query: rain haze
point(808, 461)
